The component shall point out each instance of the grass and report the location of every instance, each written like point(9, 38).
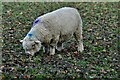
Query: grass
point(100, 34)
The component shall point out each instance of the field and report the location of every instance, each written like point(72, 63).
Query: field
point(100, 36)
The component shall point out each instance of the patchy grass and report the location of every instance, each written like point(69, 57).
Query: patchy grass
point(100, 34)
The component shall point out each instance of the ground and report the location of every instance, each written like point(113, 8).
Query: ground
point(100, 37)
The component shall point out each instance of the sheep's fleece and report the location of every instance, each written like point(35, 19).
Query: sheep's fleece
point(52, 29)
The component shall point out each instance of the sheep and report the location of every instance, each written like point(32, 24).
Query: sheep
point(51, 30)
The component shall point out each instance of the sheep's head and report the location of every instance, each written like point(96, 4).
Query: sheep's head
point(31, 46)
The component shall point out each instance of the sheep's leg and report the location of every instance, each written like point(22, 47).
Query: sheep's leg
point(79, 39)
point(59, 46)
point(46, 49)
point(53, 45)
point(52, 50)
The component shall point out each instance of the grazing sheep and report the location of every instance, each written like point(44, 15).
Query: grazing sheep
point(52, 29)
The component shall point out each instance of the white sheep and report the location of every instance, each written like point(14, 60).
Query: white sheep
point(52, 29)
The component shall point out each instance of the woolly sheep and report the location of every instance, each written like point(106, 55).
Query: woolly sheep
point(52, 29)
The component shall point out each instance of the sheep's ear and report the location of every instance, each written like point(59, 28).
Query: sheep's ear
point(21, 40)
point(37, 42)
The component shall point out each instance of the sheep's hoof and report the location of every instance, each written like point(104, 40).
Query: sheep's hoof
point(60, 56)
point(52, 54)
